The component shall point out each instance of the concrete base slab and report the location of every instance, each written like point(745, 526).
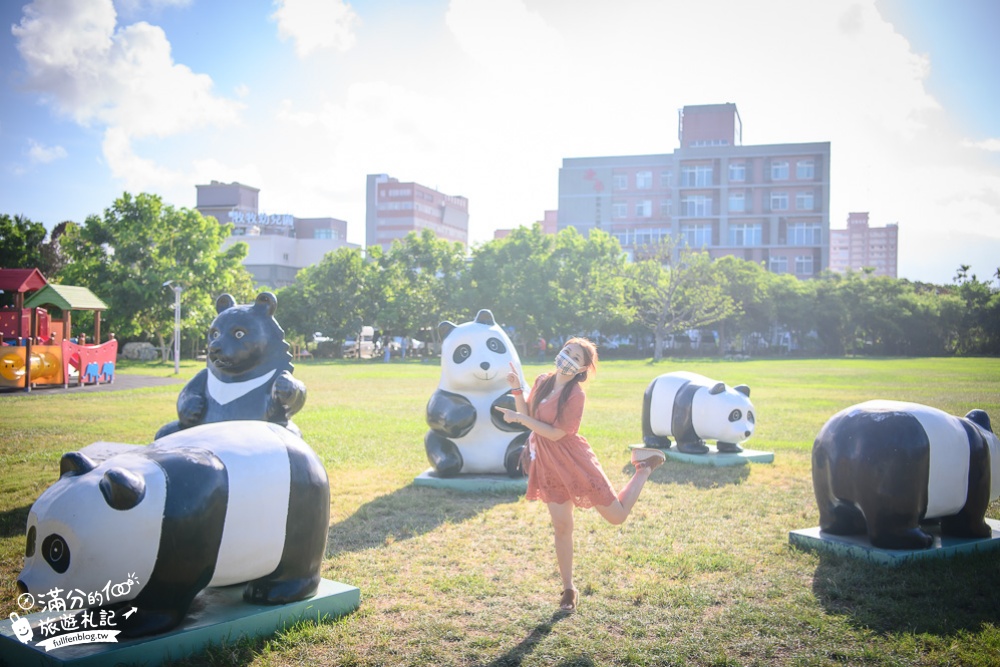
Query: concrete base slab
point(858, 546)
point(472, 483)
point(217, 615)
point(714, 458)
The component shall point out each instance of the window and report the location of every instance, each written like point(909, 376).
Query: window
point(696, 206)
point(805, 233)
point(666, 208)
point(737, 202)
point(779, 170)
point(641, 237)
point(698, 176)
point(804, 265)
point(804, 201)
point(805, 170)
point(621, 181)
point(737, 171)
point(666, 179)
point(779, 201)
point(644, 209)
point(644, 180)
point(778, 264)
point(696, 236)
point(619, 209)
point(745, 235)
point(323, 234)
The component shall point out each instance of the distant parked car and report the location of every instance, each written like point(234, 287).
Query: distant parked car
point(362, 346)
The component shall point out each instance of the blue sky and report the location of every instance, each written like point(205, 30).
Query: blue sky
point(484, 98)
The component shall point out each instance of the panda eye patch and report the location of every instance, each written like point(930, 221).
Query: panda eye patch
point(462, 352)
point(213, 334)
point(29, 547)
point(496, 345)
point(55, 551)
point(750, 417)
point(735, 415)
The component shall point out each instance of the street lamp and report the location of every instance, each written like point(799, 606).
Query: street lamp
point(177, 324)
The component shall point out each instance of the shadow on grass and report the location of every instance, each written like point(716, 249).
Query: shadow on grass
point(701, 477)
point(938, 596)
point(14, 521)
point(405, 513)
point(516, 655)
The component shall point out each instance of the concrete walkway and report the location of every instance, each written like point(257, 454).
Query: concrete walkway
point(121, 383)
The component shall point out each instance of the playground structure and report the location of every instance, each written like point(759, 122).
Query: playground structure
point(37, 350)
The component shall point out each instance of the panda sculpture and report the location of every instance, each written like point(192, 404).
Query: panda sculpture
point(692, 408)
point(213, 505)
point(882, 467)
point(466, 434)
point(248, 374)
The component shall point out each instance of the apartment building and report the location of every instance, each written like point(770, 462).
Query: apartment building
point(280, 244)
point(765, 203)
point(861, 246)
point(393, 209)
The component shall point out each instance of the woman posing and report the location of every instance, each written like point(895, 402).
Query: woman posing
point(564, 472)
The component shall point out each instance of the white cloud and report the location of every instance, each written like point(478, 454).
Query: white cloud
point(41, 154)
point(991, 145)
point(123, 79)
point(316, 25)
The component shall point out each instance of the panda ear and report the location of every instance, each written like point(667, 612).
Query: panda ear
point(743, 389)
point(268, 301)
point(981, 418)
point(223, 302)
point(485, 316)
point(122, 489)
point(717, 389)
point(75, 463)
point(446, 328)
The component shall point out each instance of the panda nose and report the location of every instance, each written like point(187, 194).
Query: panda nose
point(748, 433)
point(485, 365)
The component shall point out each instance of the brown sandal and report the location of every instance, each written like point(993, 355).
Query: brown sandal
point(568, 600)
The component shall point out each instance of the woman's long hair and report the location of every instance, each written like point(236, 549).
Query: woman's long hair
point(543, 390)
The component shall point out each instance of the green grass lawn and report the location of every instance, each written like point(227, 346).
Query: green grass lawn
point(702, 572)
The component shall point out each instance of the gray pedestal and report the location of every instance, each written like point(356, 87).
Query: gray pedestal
point(472, 483)
point(714, 458)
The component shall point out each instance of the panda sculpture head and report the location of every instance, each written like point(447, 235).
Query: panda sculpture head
point(476, 356)
point(729, 411)
point(245, 340)
point(78, 528)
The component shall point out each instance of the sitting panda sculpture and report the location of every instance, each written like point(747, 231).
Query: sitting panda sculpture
point(248, 374)
point(466, 434)
point(882, 467)
point(692, 408)
point(212, 505)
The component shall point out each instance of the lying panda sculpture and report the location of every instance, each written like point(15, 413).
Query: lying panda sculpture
point(248, 372)
point(883, 467)
point(213, 505)
point(466, 434)
point(692, 409)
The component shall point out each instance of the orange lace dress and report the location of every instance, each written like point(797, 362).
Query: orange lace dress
point(566, 469)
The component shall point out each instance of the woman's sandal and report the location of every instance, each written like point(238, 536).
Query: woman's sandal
point(568, 600)
point(647, 457)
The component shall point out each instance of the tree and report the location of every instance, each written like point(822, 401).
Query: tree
point(513, 277)
point(746, 284)
point(421, 278)
point(676, 294)
point(588, 274)
point(21, 243)
point(335, 296)
point(126, 256)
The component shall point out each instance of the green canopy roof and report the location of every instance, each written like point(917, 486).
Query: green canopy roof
point(65, 297)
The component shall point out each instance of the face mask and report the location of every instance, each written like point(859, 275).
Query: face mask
point(566, 365)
